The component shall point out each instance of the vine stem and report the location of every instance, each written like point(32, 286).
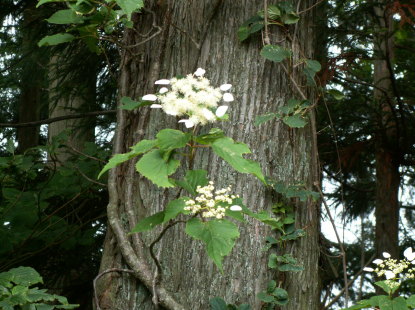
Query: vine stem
point(343, 252)
point(266, 34)
point(159, 274)
point(104, 273)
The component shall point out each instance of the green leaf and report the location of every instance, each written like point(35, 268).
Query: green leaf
point(89, 35)
point(265, 297)
point(386, 287)
point(275, 53)
point(156, 169)
point(252, 25)
point(310, 70)
point(115, 161)
point(217, 303)
point(130, 6)
point(264, 118)
point(290, 267)
point(174, 208)
point(63, 17)
point(213, 135)
point(313, 65)
point(25, 276)
point(129, 104)
point(255, 27)
point(56, 39)
point(274, 12)
point(218, 235)
point(170, 139)
point(399, 303)
point(149, 222)
point(243, 33)
point(290, 18)
point(298, 233)
point(291, 106)
point(281, 296)
point(272, 261)
point(244, 307)
point(338, 95)
point(232, 152)
point(193, 179)
point(295, 121)
point(365, 303)
point(411, 301)
point(48, 1)
point(143, 146)
point(264, 217)
point(271, 286)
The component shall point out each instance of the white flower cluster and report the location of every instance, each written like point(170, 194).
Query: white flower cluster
point(192, 96)
point(210, 203)
point(392, 268)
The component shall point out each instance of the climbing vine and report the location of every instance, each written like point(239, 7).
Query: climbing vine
point(208, 213)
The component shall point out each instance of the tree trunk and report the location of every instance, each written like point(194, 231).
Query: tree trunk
point(285, 154)
point(387, 137)
point(73, 75)
point(33, 76)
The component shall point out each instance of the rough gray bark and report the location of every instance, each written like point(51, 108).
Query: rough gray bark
point(285, 154)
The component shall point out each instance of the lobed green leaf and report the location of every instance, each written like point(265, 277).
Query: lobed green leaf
point(156, 169)
point(192, 180)
point(232, 152)
point(170, 139)
point(218, 235)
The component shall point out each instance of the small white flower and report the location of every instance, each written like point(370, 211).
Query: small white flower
point(150, 97)
point(156, 106)
point(389, 274)
point(187, 122)
point(225, 87)
point(235, 208)
point(386, 255)
point(409, 254)
point(378, 261)
point(221, 110)
point(228, 97)
point(163, 90)
point(162, 82)
point(368, 269)
point(200, 72)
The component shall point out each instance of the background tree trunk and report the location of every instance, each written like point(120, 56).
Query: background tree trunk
point(387, 137)
point(285, 154)
point(33, 75)
point(73, 76)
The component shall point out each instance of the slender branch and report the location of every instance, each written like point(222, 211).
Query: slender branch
point(57, 119)
point(89, 179)
point(104, 273)
point(86, 155)
point(343, 253)
point(357, 275)
point(311, 7)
